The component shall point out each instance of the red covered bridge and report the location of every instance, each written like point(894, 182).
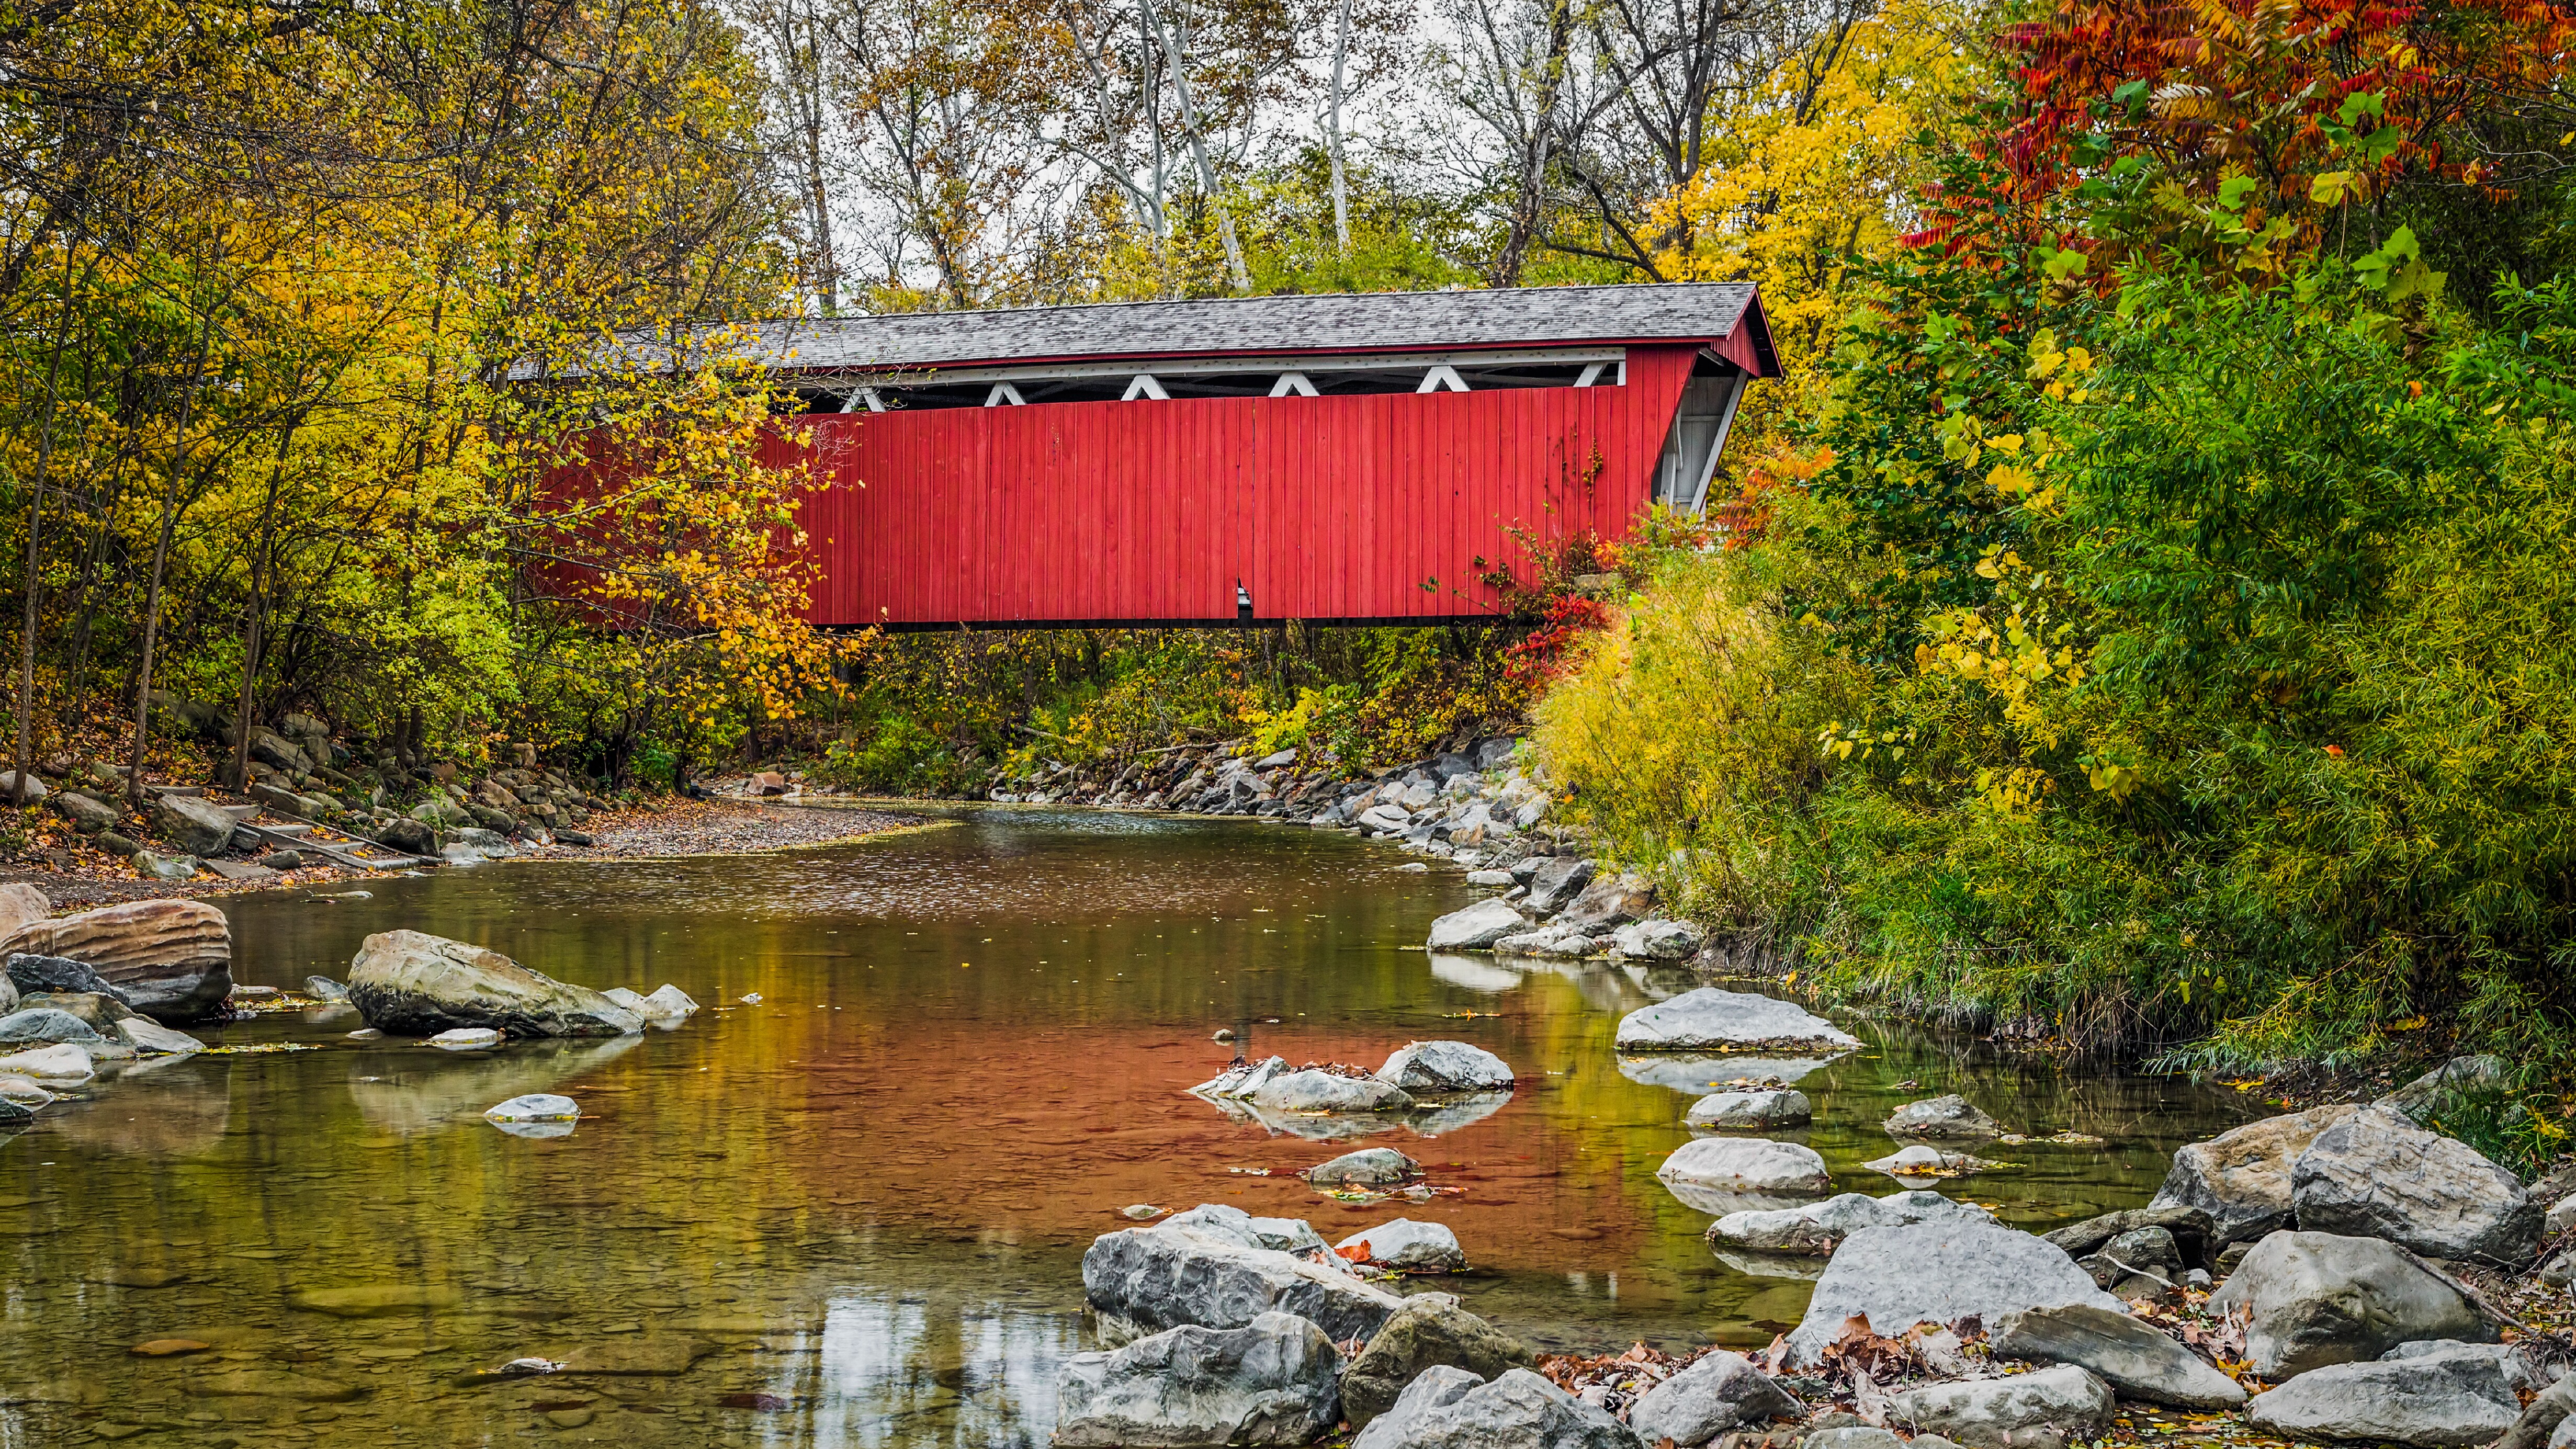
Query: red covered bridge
point(1339, 458)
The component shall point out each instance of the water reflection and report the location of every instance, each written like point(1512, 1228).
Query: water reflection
point(853, 1210)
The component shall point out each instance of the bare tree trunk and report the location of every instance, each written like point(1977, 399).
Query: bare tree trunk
point(1234, 265)
point(35, 530)
point(160, 564)
point(1333, 132)
point(251, 631)
point(800, 63)
point(1534, 149)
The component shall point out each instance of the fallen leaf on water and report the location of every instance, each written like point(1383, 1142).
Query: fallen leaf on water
point(765, 1403)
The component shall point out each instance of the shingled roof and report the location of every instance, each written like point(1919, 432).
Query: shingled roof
point(1239, 326)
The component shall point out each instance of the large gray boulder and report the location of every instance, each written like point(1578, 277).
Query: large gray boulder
point(1816, 1229)
point(2375, 1174)
point(1425, 1333)
point(2040, 1410)
point(1268, 1382)
point(1214, 1271)
point(1719, 1392)
point(1450, 1408)
point(2549, 1419)
point(1754, 1111)
point(1556, 882)
point(1434, 1068)
point(192, 824)
point(1477, 927)
point(87, 813)
point(2136, 1359)
point(31, 974)
point(2317, 1299)
point(1937, 1272)
point(1725, 1174)
point(2435, 1400)
point(406, 983)
point(169, 959)
point(2241, 1178)
point(1609, 902)
point(1709, 1019)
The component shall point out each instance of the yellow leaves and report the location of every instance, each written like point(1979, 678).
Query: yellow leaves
point(2117, 781)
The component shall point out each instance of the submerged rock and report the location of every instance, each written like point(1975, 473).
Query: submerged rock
point(1921, 1162)
point(1718, 1392)
point(2317, 1299)
point(1207, 1268)
point(1937, 1272)
point(1425, 1333)
point(1434, 1067)
point(2376, 1174)
point(171, 960)
point(1368, 1167)
point(1949, 1117)
point(1451, 1408)
point(1708, 1019)
point(377, 1300)
point(2133, 1357)
point(411, 984)
point(1269, 1382)
point(1477, 927)
point(323, 988)
point(2242, 1178)
point(2027, 1411)
point(1406, 1244)
point(2437, 1401)
point(1816, 1229)
point(1755, 1111)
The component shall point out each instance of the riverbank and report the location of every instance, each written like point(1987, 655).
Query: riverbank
point(81, 878)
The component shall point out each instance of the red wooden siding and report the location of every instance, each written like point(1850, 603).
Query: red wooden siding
point(1325, 508)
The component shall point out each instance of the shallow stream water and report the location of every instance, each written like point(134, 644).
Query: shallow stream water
point(853, 1211)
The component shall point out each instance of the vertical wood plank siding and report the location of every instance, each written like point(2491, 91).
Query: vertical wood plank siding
point(1325, 507)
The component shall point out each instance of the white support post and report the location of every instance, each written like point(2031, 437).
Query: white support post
point(1292, 384)
point(1443, 378)
point(1004, 393)
point(1717, 446)
point(864, 400)
point(1145, 386)
point(1591, 375)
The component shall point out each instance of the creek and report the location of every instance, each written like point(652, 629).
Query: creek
point(847, 1203)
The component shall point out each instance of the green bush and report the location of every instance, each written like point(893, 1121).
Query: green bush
point(2209, 688)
